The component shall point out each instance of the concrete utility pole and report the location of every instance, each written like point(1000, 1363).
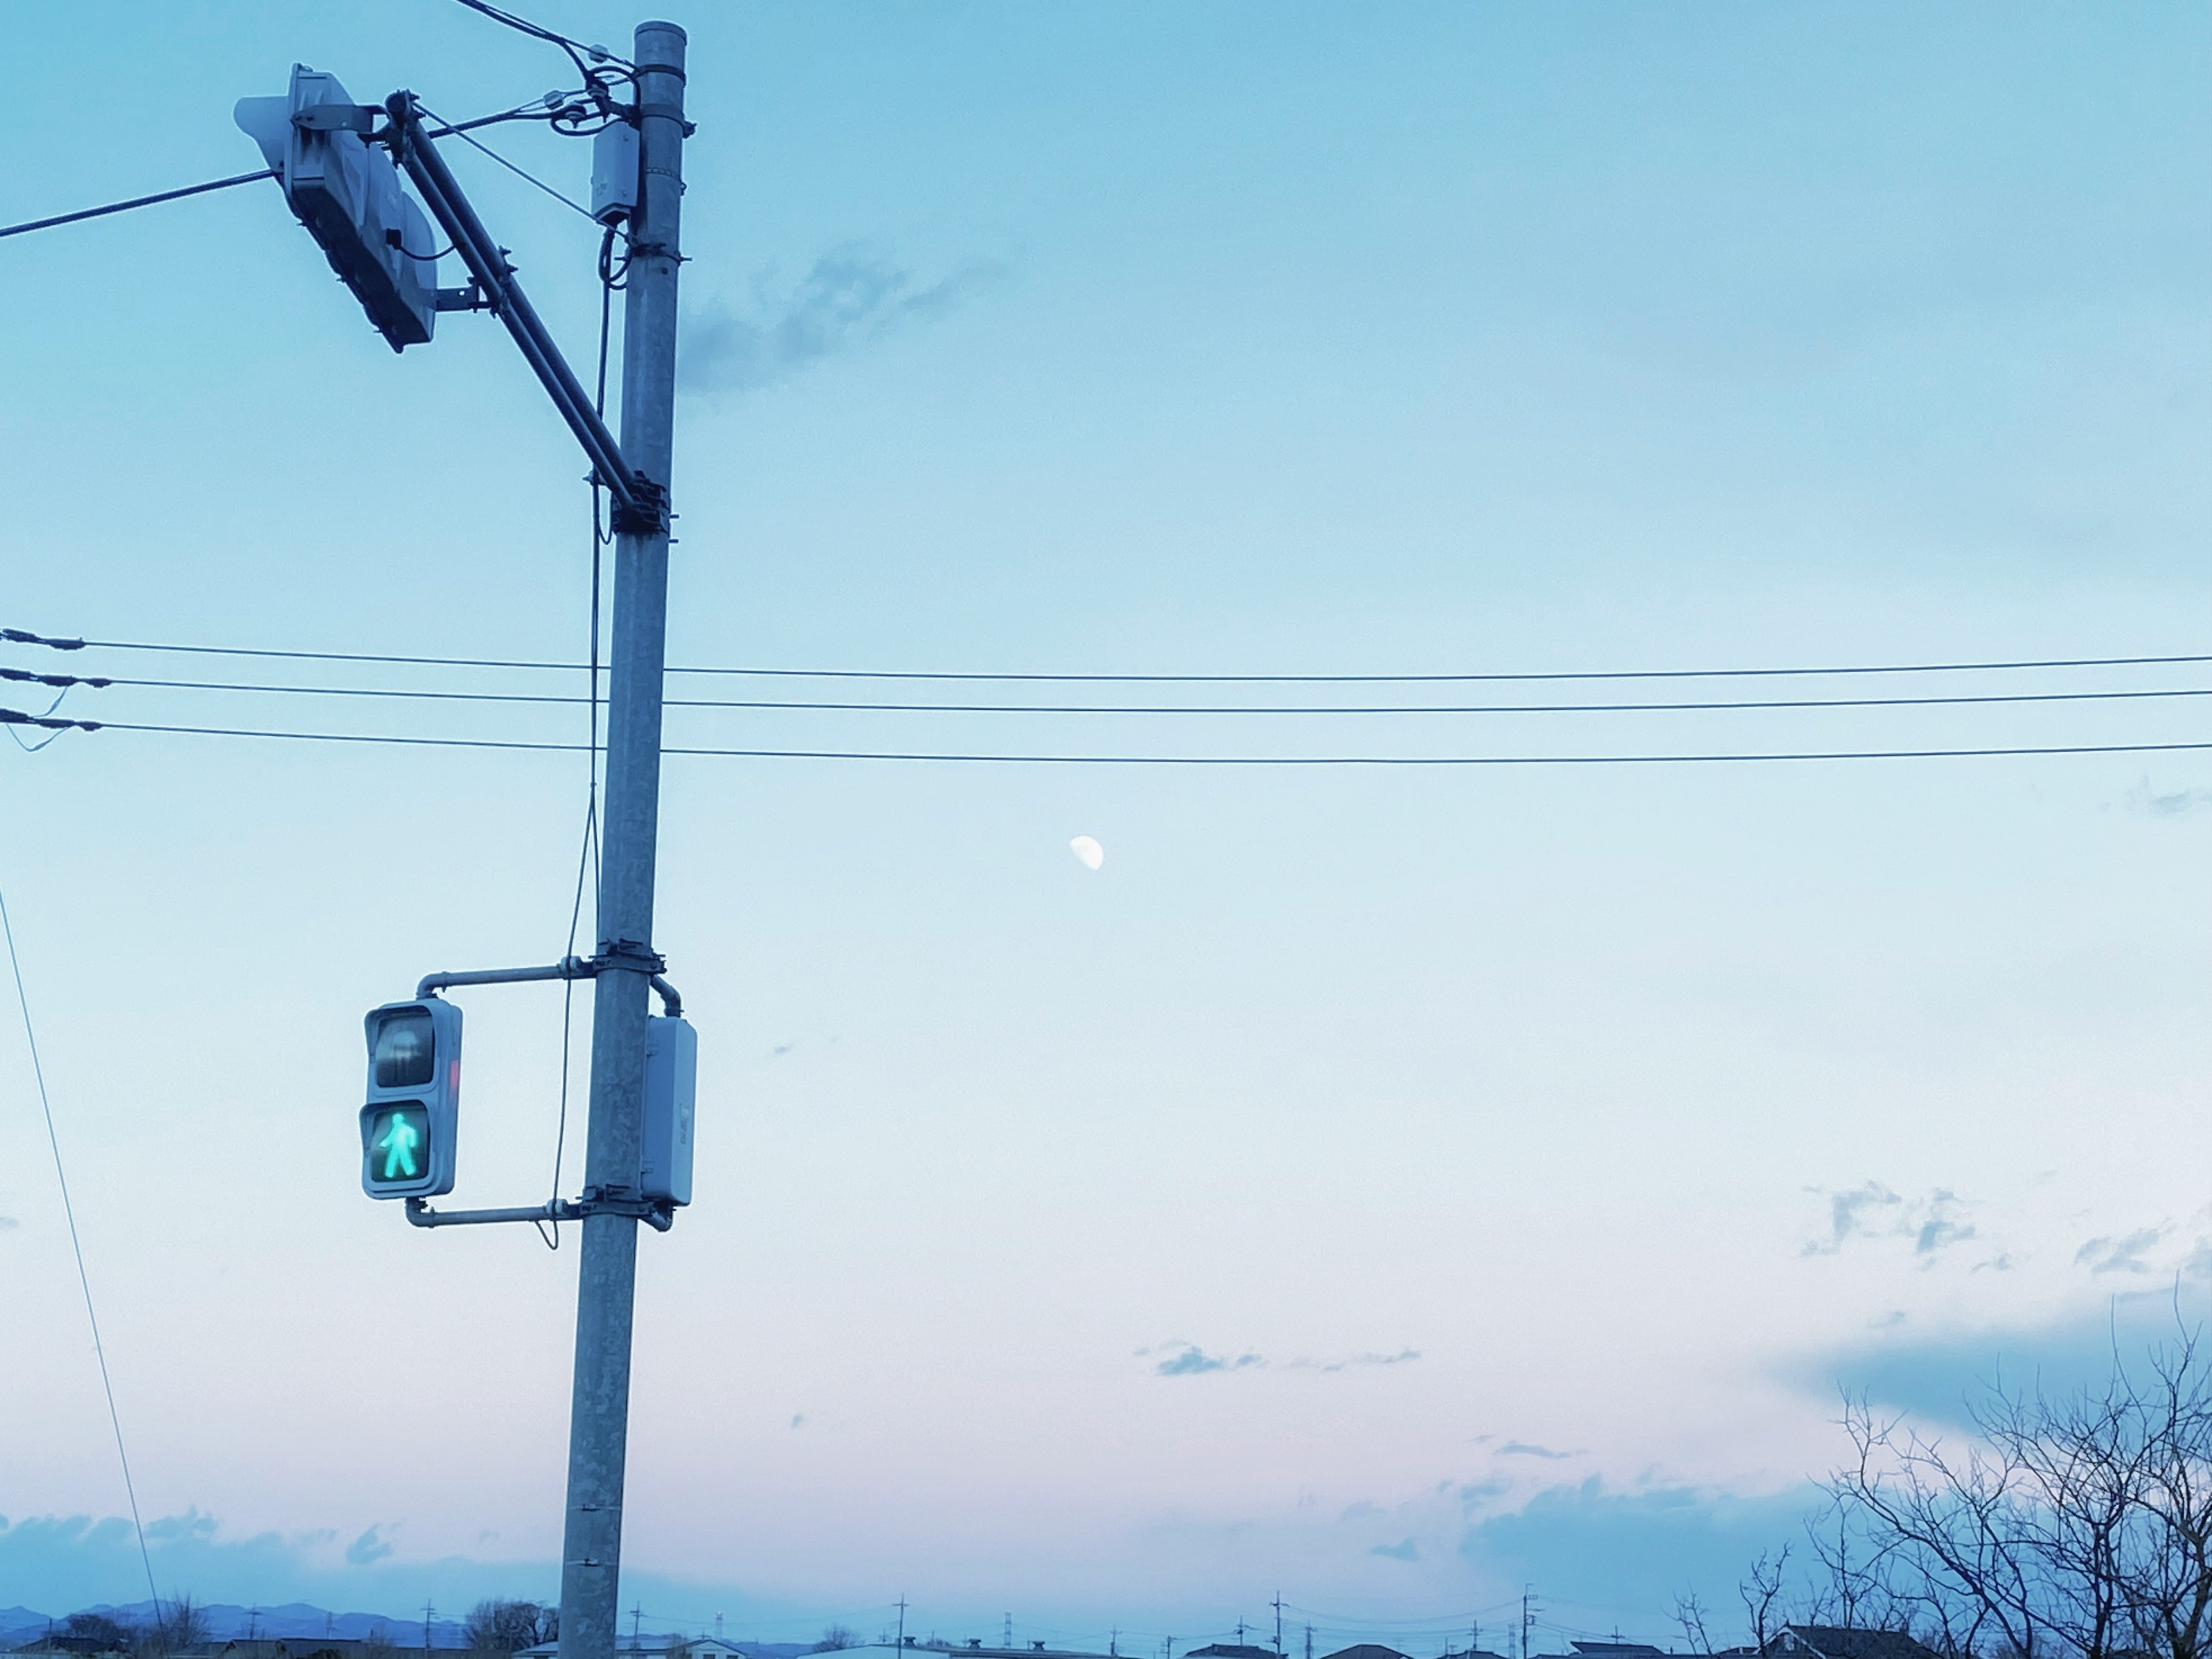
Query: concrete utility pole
point(606, 1287)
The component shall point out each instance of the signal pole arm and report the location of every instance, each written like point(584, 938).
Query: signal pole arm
point(639, 503)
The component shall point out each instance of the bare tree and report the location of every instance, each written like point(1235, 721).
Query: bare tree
point(1762, 1595)
point(1690, 1614)
point(835, 1637)
point(178, 1624)
point(2078, 1525)
point(510, 1626)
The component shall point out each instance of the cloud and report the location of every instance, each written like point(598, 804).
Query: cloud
point(2141, 799)
point(1609, 1548)
point(850, 296)
point(2124, 1254)
point(1407, 1551)
point(1403, 1357)
point(1526, 1449)
point(8, 1224)
point(1933, 1224)
point(1194, 1361)
point(370, 1546)
point(799, 1419)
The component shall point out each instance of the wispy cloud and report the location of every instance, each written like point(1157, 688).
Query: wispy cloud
point(371, 1546)
point(2141, 798)
point(1934, 1223)
point(1188, 1359)
point(8, 1224)
point(851, 295)
point(1529, 1449)
point(1354, 1362)
point(1194, 1361)
point(2124, 1254)
point(1407, 1551)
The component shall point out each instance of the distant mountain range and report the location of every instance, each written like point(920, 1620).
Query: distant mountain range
point(227, 1621)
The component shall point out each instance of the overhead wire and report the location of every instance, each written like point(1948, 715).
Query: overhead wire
point(1963, 752)
point(587, 855)
point(518, 171)
point(577, 50)
point(21, 637)
point(556, 699)
point(76, 1248)
point(48, 223)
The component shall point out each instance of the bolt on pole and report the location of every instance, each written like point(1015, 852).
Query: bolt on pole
point(599, 1423)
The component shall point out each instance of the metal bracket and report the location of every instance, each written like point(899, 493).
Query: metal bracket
point(471, 298)
point(649, 514)
point(656, 1213)
point(338, 117)
point(623, 953)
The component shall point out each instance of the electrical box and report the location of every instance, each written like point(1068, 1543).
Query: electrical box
point(671, 1089)
point(412, 1116)
point(615, 173)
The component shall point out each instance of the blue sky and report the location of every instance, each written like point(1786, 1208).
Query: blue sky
point(1642, 1106)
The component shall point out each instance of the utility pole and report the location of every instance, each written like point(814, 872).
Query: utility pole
point(1527, 1615)
point(902, 1608)
point(428, 1612)
point(606, 1284)
point(1278, 1605)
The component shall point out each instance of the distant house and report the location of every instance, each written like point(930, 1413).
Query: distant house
point(1835, 1642)
point(1368, 1650)
point(650, 1646)
point(1242, 1650)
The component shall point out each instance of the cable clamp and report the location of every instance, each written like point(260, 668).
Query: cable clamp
point(627, 953)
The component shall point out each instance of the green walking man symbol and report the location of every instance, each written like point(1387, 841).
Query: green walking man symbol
point(398, 1144)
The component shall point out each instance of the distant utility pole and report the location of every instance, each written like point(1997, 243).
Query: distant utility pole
point(1529, 1612)
point(606, 1286)
point(902, 1608)
point(1309, 1641)
point(1008, 1639)
point(428, 1612)
point(1278, 1605)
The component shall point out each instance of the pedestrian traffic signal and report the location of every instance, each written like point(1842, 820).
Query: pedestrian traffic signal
point(347, 192)
point(408, 1125)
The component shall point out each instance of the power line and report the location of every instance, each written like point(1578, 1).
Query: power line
point(539, 32)
point(83, 1278)
point(825, 705)
point(1678, 759)
point(135, 202)
point(20, 636)
point(521, 172)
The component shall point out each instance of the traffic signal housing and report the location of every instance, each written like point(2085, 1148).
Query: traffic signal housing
point(408, 1123)
point(347, 192)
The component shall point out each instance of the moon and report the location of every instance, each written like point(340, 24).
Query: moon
point(1088, 852)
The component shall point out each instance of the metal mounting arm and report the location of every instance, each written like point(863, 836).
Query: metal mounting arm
point(657, 1214)
point(641, 506)
point(671, 1001)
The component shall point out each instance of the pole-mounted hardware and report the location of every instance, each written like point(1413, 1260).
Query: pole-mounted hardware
point(623, 953)
point(336, 160)
point(410, 1126)
point(640, 504)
